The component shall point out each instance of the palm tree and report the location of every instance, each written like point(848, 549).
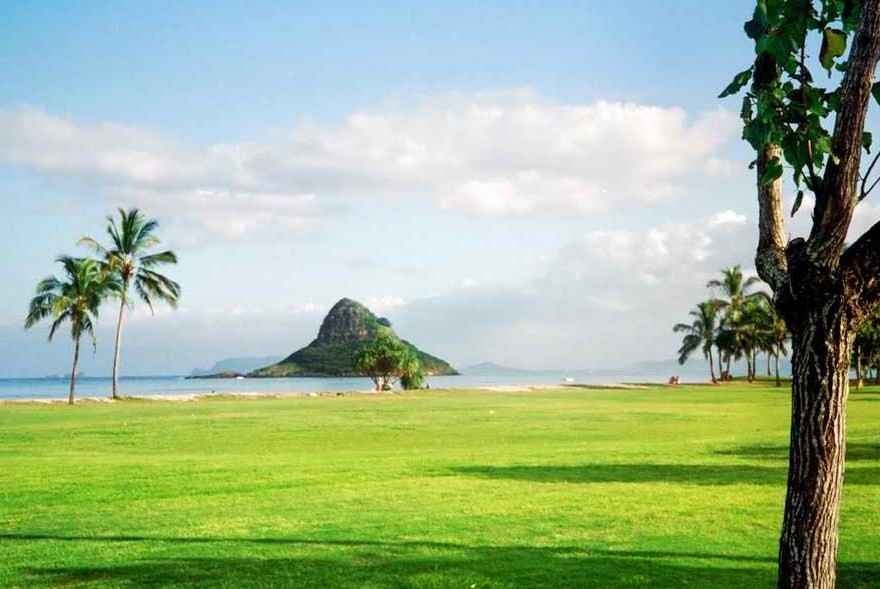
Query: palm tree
point(733, 286)
point(75, 300)
point(780, 336)
point(128, 257)
point(699, 334)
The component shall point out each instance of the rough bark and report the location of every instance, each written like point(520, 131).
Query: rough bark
point(822, 340)
point(114, 391)
point(770, 260)
point(823, 297)
point(73, 370)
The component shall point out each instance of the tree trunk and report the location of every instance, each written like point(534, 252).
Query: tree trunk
point(114, 393)
point(73, 370)
point(778, 382)
point(711, 366)
point(750, 366)
point(858, 362)
point(822, 338)
point(769, 373)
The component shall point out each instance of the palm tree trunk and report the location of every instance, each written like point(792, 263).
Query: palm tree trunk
point(858, 362)
point(73, 370)
point(114, 393)
point(769, 373)
point(711, 366)
point(821, 340)
point(778, 382)
point(749, 370)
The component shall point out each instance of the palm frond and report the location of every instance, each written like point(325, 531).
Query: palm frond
point(166, 257)
point(688, 345)
point(94, 245)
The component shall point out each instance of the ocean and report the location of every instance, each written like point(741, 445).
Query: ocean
point(138, 386)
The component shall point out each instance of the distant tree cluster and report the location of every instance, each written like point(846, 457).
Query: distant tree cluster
point(737, 323)
point(866, 350)
point(125, 263)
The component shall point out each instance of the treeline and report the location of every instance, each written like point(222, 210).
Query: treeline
point(126, 263)
point(737, 323)
point(740, 323)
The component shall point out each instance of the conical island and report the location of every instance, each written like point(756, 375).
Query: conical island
point(346, 328)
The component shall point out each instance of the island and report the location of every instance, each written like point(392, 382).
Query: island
point(348, 326)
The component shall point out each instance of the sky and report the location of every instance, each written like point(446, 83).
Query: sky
point(537, 184)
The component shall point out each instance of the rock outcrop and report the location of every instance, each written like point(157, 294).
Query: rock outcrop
point(347, 327)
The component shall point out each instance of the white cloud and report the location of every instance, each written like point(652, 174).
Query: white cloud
point(605, 300)
point(503, 153)
point(383, 304)
point(725, 218)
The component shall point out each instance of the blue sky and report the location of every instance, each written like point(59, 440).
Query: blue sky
point(541, 184)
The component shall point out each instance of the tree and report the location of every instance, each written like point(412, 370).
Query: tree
point(780, 337)
point(699, 334)
point(734, 339)
point(76, 300)
point(383, 359)
point(411, 374)
point(866, 349)
point(823, 292)
point(131, 240)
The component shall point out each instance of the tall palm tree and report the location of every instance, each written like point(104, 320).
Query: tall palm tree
point(732, 297)
point(699, 334)
point(733, 286)
point(76, 300)
point(129, 257)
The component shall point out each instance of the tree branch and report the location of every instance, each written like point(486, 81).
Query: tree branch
point(864, 193)
point(861, 268)
point(836, 198)
point(770, 258)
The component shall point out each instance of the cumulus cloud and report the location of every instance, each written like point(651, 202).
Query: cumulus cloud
point(502, 153)
point(604, 300)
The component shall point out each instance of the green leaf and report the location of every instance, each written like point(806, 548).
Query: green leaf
point(833, 46)
point(797, 202)
point(772, 172)
point(867, 140)
point(746, 112)
point(739, 80)
point(875, 92)
point(756, 27)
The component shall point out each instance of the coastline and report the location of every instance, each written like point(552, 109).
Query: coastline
point(256, 395)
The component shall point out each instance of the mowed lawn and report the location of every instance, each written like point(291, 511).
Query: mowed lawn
point(663, 487)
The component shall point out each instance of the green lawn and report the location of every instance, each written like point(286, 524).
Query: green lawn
point(660, 488)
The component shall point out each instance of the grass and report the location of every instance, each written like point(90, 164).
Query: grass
point(665, 487)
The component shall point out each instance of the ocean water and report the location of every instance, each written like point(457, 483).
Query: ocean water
point(57, 388)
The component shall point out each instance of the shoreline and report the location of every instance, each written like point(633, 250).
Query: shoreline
point(255, 395)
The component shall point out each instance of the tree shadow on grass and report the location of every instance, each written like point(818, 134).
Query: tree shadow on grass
point(694, 474)
point(413, 566)
point(854, 451)
point(364, 563)
point(686, 474)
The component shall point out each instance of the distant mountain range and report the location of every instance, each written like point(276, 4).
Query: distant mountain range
point(492, 369)
point(246, 365)
point(241, 365)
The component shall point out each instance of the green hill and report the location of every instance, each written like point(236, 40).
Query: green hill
point(347, 327)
